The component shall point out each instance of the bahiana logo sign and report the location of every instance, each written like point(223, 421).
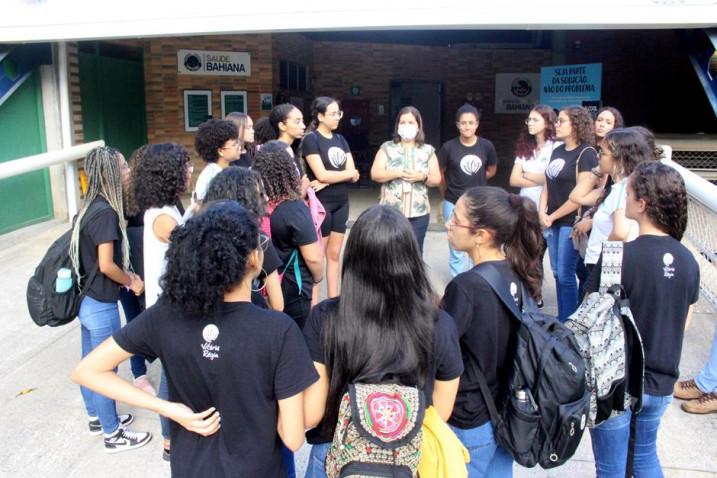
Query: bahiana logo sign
point(516, 93)
point(213, 63)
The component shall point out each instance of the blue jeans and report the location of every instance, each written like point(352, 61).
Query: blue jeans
point(99, 320)
point(287, 458)
point(563, 261)
point(420, 226)
point(458, 261)
point(316, 468)
point(707, 379)
point(488, 459)
point(132, 308)
point(610, 441)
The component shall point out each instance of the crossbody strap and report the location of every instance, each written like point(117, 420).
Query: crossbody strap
point(577, 172)
point(611, 269)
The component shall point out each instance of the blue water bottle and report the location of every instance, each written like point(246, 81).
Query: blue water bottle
point(63, 283)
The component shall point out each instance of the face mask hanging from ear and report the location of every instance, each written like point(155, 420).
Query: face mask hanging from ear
point(407, 132)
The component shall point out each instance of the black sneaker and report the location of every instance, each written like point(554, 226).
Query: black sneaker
point(96, 426)
point(166, 454)
point(124, 439)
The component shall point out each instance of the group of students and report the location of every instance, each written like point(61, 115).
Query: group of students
point(243, 381)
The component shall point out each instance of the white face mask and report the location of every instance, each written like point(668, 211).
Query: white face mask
point(407, 132)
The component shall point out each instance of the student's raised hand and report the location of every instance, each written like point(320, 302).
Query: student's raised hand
point(203, 423)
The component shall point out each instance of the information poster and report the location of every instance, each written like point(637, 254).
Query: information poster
point(568, 85)
point(197, 108)
point(516, 93)
point(266, 101)
point(233, 101)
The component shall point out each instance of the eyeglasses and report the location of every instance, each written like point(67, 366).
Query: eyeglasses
point(560, 121)
point(532, 120)
point(453, 221)
point(233, 145)
point(466, 123)
point(336, 114)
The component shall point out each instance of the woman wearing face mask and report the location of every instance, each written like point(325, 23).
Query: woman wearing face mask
point(464, 162)
point(330, 167)
point(245, 126)
point(570, 167)
point(407, 167)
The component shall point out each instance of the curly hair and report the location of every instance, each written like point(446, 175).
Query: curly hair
point(278, 172)
point(582, 123)
point(628, 148)
point(526, 143)
point(211, 136)
point(665, 195)
point(158, 177)
point(239, 184)
point(207, 257)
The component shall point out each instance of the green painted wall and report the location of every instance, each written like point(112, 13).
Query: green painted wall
point(24, 199)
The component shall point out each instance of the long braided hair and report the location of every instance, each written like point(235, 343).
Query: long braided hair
point(102, 167)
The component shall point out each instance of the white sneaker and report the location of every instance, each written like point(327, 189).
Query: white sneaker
point(125, 439)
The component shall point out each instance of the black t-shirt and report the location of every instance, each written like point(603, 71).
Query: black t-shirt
point(561, 178)
point(334, 153)
point(465, 166)
point(447, 364)
point(103, 227)
point(271, 263)
point(487, 331)
point(291, 227)
point(661, 279)
point(245, 160)
point(241, 361)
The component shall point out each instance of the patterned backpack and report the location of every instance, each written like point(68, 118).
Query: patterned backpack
point(378, 432)
point(610, 343)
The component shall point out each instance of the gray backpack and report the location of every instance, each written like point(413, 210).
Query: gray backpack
point(610, 343)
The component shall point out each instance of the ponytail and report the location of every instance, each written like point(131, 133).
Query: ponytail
point(319, 106)
point(279, 114)
point(514, 220)
point(524, 247)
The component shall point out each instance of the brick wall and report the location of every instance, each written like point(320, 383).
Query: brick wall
point(296, 48)
point(464, 71)
point(164, 86)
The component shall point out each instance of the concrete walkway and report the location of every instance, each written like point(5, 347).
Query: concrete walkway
point(43, 433)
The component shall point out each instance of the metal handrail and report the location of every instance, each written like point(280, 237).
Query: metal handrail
point(27, 164)
point(66, 156)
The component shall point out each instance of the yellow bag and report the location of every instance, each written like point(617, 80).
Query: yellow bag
point(442, 453)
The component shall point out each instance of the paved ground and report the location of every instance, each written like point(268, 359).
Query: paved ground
point(43, 433)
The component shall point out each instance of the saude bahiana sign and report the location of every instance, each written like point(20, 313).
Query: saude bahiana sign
point(225, 63)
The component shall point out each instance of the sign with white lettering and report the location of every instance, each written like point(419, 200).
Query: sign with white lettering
point(516, 93)
point(224, 63)
point(570, 85)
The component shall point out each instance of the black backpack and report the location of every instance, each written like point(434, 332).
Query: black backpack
point(545, 411)
point(46, 306)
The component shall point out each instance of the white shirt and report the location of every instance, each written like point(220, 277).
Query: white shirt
point(537, 165)
point(155, 262)
point(604, 220)
point(205, 177)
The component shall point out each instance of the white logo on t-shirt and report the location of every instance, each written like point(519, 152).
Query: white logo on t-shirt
point(210, 334)
point(669, 271)
point(514, 291)
point(470, 164)
point(337, 156)
point(554, 168)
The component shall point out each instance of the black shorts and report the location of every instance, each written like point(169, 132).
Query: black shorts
point(337, 215)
